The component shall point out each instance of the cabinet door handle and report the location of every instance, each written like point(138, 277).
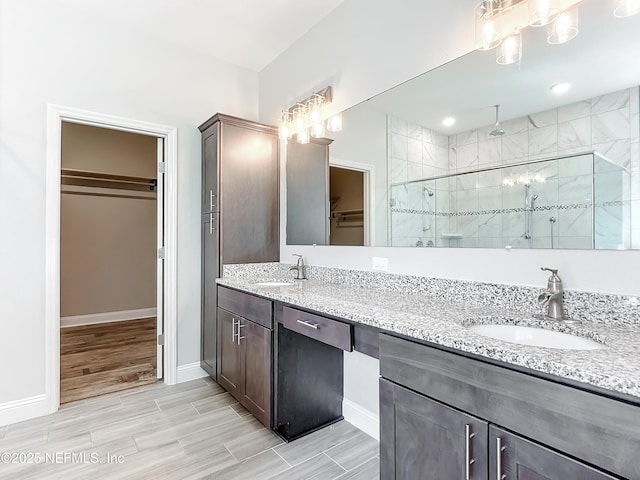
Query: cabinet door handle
point(233, 329)
point(211, 227)
point(499, 450)
point(308, 324)
point(467, 454)
point(239, 327)
point(211, 196)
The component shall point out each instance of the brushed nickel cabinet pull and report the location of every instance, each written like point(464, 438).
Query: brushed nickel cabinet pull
point(233, 329)
point(211, 195)
point(467, 443)
point(308, 324)
point(239, 337)
point(211, 227)
point(499, 450)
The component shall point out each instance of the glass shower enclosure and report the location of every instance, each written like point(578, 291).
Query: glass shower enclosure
point(576, 202)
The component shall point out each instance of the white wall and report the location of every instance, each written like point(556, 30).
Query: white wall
point(50, 54)
point(360, 404)
point(361, 49)
point(364, 47)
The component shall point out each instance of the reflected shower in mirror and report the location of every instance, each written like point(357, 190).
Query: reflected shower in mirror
point(549, 168)
point(538, 204)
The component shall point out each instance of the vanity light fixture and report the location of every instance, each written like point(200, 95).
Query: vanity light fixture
point(488, 24)
point(511, 49)
point(302, 136)
point(524, 179)
point(284, 125)
point(564, 28)
point(560, 88)
point(448, 121)
point(495, 18)
point(300, 118)
point(318, 130)
point(307, 118)
point(334, 123)
point(543, 12)
point(626, 8)
point(316, 115)
point(499, 24)
point(315, 105)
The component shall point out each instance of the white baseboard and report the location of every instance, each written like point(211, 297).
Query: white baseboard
point(190, 371)
point(106, 317)
point(23, 409)
point(361, 418)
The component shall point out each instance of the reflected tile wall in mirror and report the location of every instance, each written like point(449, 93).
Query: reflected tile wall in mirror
point(530, 205)
point(475, 210)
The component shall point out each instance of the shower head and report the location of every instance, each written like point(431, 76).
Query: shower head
point(428, 190)
point(497, 131)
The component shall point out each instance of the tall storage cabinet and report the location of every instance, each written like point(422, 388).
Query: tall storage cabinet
point(239, 209)
point(308, 192)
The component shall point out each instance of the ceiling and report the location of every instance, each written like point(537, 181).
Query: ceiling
point(603, 58)
point(248, 33)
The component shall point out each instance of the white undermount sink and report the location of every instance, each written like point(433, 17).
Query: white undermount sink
point(273, 284)
point(537, 337)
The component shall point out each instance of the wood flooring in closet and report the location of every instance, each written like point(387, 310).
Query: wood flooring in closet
point(106, 358)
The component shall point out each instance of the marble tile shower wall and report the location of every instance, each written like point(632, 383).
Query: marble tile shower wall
point(413, 153)
point(608, 124)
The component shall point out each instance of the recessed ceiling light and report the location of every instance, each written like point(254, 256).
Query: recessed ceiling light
point(560, 88)
point(447, 122)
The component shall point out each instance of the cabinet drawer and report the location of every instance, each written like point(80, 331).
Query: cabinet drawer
point(252, 308)
point(325, 330)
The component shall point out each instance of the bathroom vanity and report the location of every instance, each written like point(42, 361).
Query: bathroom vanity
point(486, 418)
point(453, 404)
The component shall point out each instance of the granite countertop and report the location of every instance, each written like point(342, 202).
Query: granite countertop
point(440, 321)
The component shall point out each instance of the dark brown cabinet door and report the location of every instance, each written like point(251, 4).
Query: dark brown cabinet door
point(229, 354)
point(308, 193)
point(249, 195)
point(244, 363)
point(424, 439)
point(210, 269)
point(210, 169)
point(255, 341)
point(513, 458)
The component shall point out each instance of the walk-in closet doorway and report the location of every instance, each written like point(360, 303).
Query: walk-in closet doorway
point(111, 226)
point(111, 229)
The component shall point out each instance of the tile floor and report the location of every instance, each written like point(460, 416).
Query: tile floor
point(194, 430)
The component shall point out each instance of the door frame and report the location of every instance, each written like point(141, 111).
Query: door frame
point(56, 114)
point(369, 200)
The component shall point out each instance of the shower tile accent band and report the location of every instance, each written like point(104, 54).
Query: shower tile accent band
point(542, 208)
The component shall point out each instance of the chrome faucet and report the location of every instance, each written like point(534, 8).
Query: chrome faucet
point(299, 268)
point(552, 298)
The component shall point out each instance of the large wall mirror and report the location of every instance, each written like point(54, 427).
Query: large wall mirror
point(554, 170)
